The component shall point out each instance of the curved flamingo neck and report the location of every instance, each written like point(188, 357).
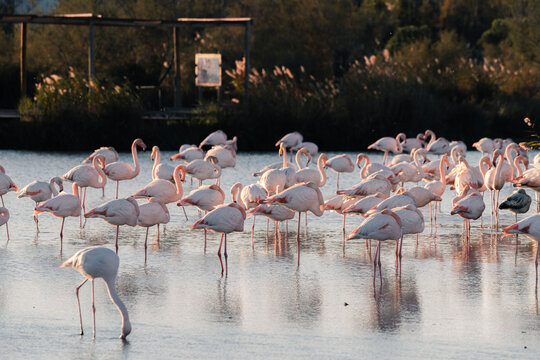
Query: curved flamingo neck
point(137, 168)
point(298, 159)
point(517, 160)
point(320, 165)
point(156, 163)
point(510, 156)
point(284, 155)
point(111, 289)
point(431, 135)
point(417, 164)
point(178, 180)
point(52, 187)
point(442, 169)
point(484, 165)
point(99, 169)
point(236, 192)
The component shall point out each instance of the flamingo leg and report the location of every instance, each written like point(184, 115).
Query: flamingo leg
point(79, 303)
point(36, 219)
point(375, 264)
point(116, 243)
point(61, 233)
point(219, 253)
point(103, 191)
point(93, 310)
point(337, 183)
point(158, 232)
point(117, 183)
point(84, 206)
point(379, 263)
point(226, 257)
point(298, 239)
point(145, 243)
point(344, 235)
point(252, 231)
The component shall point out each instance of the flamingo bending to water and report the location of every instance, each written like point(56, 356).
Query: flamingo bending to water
point(154, 212)
point(99, 262)
point(41, 191)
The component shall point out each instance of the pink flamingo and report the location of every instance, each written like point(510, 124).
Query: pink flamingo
point(204, 169)
point(99, 262)
point(412, 222)
point(300, 198)
point(250, 197)
point(382, 226)
point(369, 186)
point(529, 227)
point(63, 205)
point(363, 205)
point(109, 153)
point(438, 187)
point(310, 146)
point(471, 206)
point(340, 163)
point(369, 167)
point(118, 171)
point(218, 137)
point(409, 144)
point(117, 212)
point(6, 184)
point(224, 219)
point(160, 170)
point(494, 181)
point(485, 146)
point(318, 177)
point(4, 218)
point(225, 155)
point(436, 145)
point(154, 212)
point(188, 154)
point(88, 176)
point(205, 198)
point(290, 140)
point(338, 204)
point(164, 190)
point(387, 144)
point(273, 212)
point(530, 179)
point(40, 191)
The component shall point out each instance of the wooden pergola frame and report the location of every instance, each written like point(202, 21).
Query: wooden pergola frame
point(92, 20)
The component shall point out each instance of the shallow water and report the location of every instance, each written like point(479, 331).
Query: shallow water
point(446, 304)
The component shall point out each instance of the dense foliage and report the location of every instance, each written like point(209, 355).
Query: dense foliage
point(342, 72)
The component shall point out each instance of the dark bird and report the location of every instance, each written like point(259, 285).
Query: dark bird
point(518, 203)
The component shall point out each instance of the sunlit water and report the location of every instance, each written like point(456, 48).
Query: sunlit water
point(445, 305)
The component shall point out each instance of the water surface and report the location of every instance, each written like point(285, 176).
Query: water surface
point(448, 302)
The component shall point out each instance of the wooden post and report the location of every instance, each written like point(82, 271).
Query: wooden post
point(23, 59)
point(177, 78)
point(91, 54)
point(247, 67)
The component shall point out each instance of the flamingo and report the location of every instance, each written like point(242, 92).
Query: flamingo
point(250, 197)
point(398, 200)
point(99, 262)
point(369, 186)
point(290, 140)
point(363, 205)
point(312, 148)
point(438, 187)
point(6, 184)
point(218, 137)
point(88, 176)
point(410, 172)
point(225, 155)
point(529, 227)
point(117, 212)
point(458, 144)
point(63, 205)
point(518, 202)
point(338, 204)
point(369, 167)
point(4, 218)
point(164, 190)
point(387, 144)
point(160, 170)
point(382, 226)
point(530, 179)
point(339, 163)
point(154, 212)
point(471, 206)
point(204, 169)
point(409, 144)
point(436, 145)
point(273, 180)
point(189, 154)
point(40, 191)
point(224, 219)
point(422, 196)
point(109, 153)
point(494, 181)
point(318, 177)
point(412, 222)
point(118, 171)
point(300, 198)
point(485, 145)
point(274, 212)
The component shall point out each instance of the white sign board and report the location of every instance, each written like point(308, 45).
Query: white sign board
point(208, 70)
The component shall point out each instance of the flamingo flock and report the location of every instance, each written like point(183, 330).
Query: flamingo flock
point(388, 196)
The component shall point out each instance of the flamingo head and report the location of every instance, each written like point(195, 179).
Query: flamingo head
point(155, 149)
point(140, 143)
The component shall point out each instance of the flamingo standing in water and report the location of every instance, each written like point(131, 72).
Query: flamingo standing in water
point(88, 176)
point(340, 163)
point(250, 197)
point(218, 137)
point(470, 206)
point(225, 155)
point(518, 203)
point(290, 140)
point(154, 212)
point(117, 212)
point(274, 212)
point(382, 226)
point(164, 190)
point(387, 144)
point(109, 153)
point(189, 154)
point(118, 171)
point(205, 198)
point(40, 191)
point(4, 218)
point(530, 179)
point(224, 219)
point(99, 262)
point(529, 227)
point(409, 144)
point(300, 198)
point(318, 177)
point(63, 205)
point(6, 184)
point(160, 170)
point(203, 169)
